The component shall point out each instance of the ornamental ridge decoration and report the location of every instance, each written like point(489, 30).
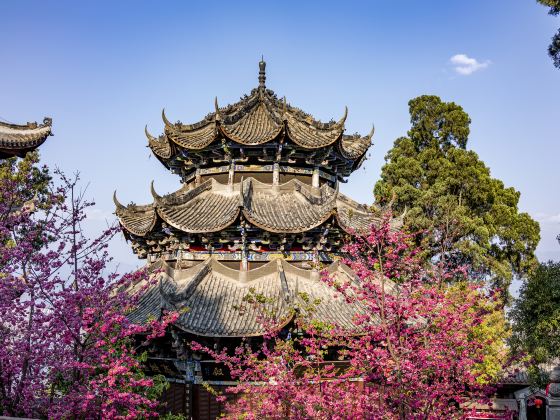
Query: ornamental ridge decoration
point(257, 119)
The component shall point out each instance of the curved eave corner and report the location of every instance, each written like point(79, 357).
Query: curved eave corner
point(17, 140)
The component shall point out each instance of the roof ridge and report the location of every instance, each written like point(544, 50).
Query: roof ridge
point(30, 125)
point(235, 275)
point(178, 198)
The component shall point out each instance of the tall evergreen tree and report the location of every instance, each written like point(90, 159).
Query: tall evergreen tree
point(460, 214)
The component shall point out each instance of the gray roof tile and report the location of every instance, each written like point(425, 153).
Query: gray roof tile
point(211, 297)
point(211, 207)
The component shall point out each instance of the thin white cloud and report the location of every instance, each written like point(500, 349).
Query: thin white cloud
point(95, 213)
point(465, 65)
point(548, 218)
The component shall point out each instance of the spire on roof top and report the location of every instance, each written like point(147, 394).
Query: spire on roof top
point(262, 73)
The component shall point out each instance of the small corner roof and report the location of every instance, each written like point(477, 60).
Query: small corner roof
point(17, 140)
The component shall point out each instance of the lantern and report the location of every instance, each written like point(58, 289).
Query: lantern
point(538, 402)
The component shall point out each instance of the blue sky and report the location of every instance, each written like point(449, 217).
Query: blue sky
point(102, 70)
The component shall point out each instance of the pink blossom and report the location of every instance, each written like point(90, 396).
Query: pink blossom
point(413, 357)
point(66, 345)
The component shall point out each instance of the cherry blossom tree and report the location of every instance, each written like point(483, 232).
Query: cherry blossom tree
point(67, 349)
point(415, 353)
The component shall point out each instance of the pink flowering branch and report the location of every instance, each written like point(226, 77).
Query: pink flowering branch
point(67, 347)
point(411, 356)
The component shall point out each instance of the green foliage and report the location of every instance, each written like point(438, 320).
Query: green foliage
point(554, 47)
point(26, 188)
point(553, 4)
point(30, 184)
point(493, 332)
point(536, 316)
point(160, 383)
point(462, 216)
point(170, 416)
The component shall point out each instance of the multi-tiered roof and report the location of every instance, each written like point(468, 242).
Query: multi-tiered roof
point(260, 183)
point(17, 140)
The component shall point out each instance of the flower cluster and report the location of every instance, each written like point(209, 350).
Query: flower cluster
point(67, 348)
point(412, 355)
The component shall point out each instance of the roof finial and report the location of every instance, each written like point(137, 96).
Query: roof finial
point(262, 73)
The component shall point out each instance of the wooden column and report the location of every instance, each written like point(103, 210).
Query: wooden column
point(231, 174)
point(315, 178)
point(244, 261)
point(276, 174)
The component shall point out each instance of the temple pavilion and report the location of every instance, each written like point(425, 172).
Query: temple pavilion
point(17, 140)
point(260, 209)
